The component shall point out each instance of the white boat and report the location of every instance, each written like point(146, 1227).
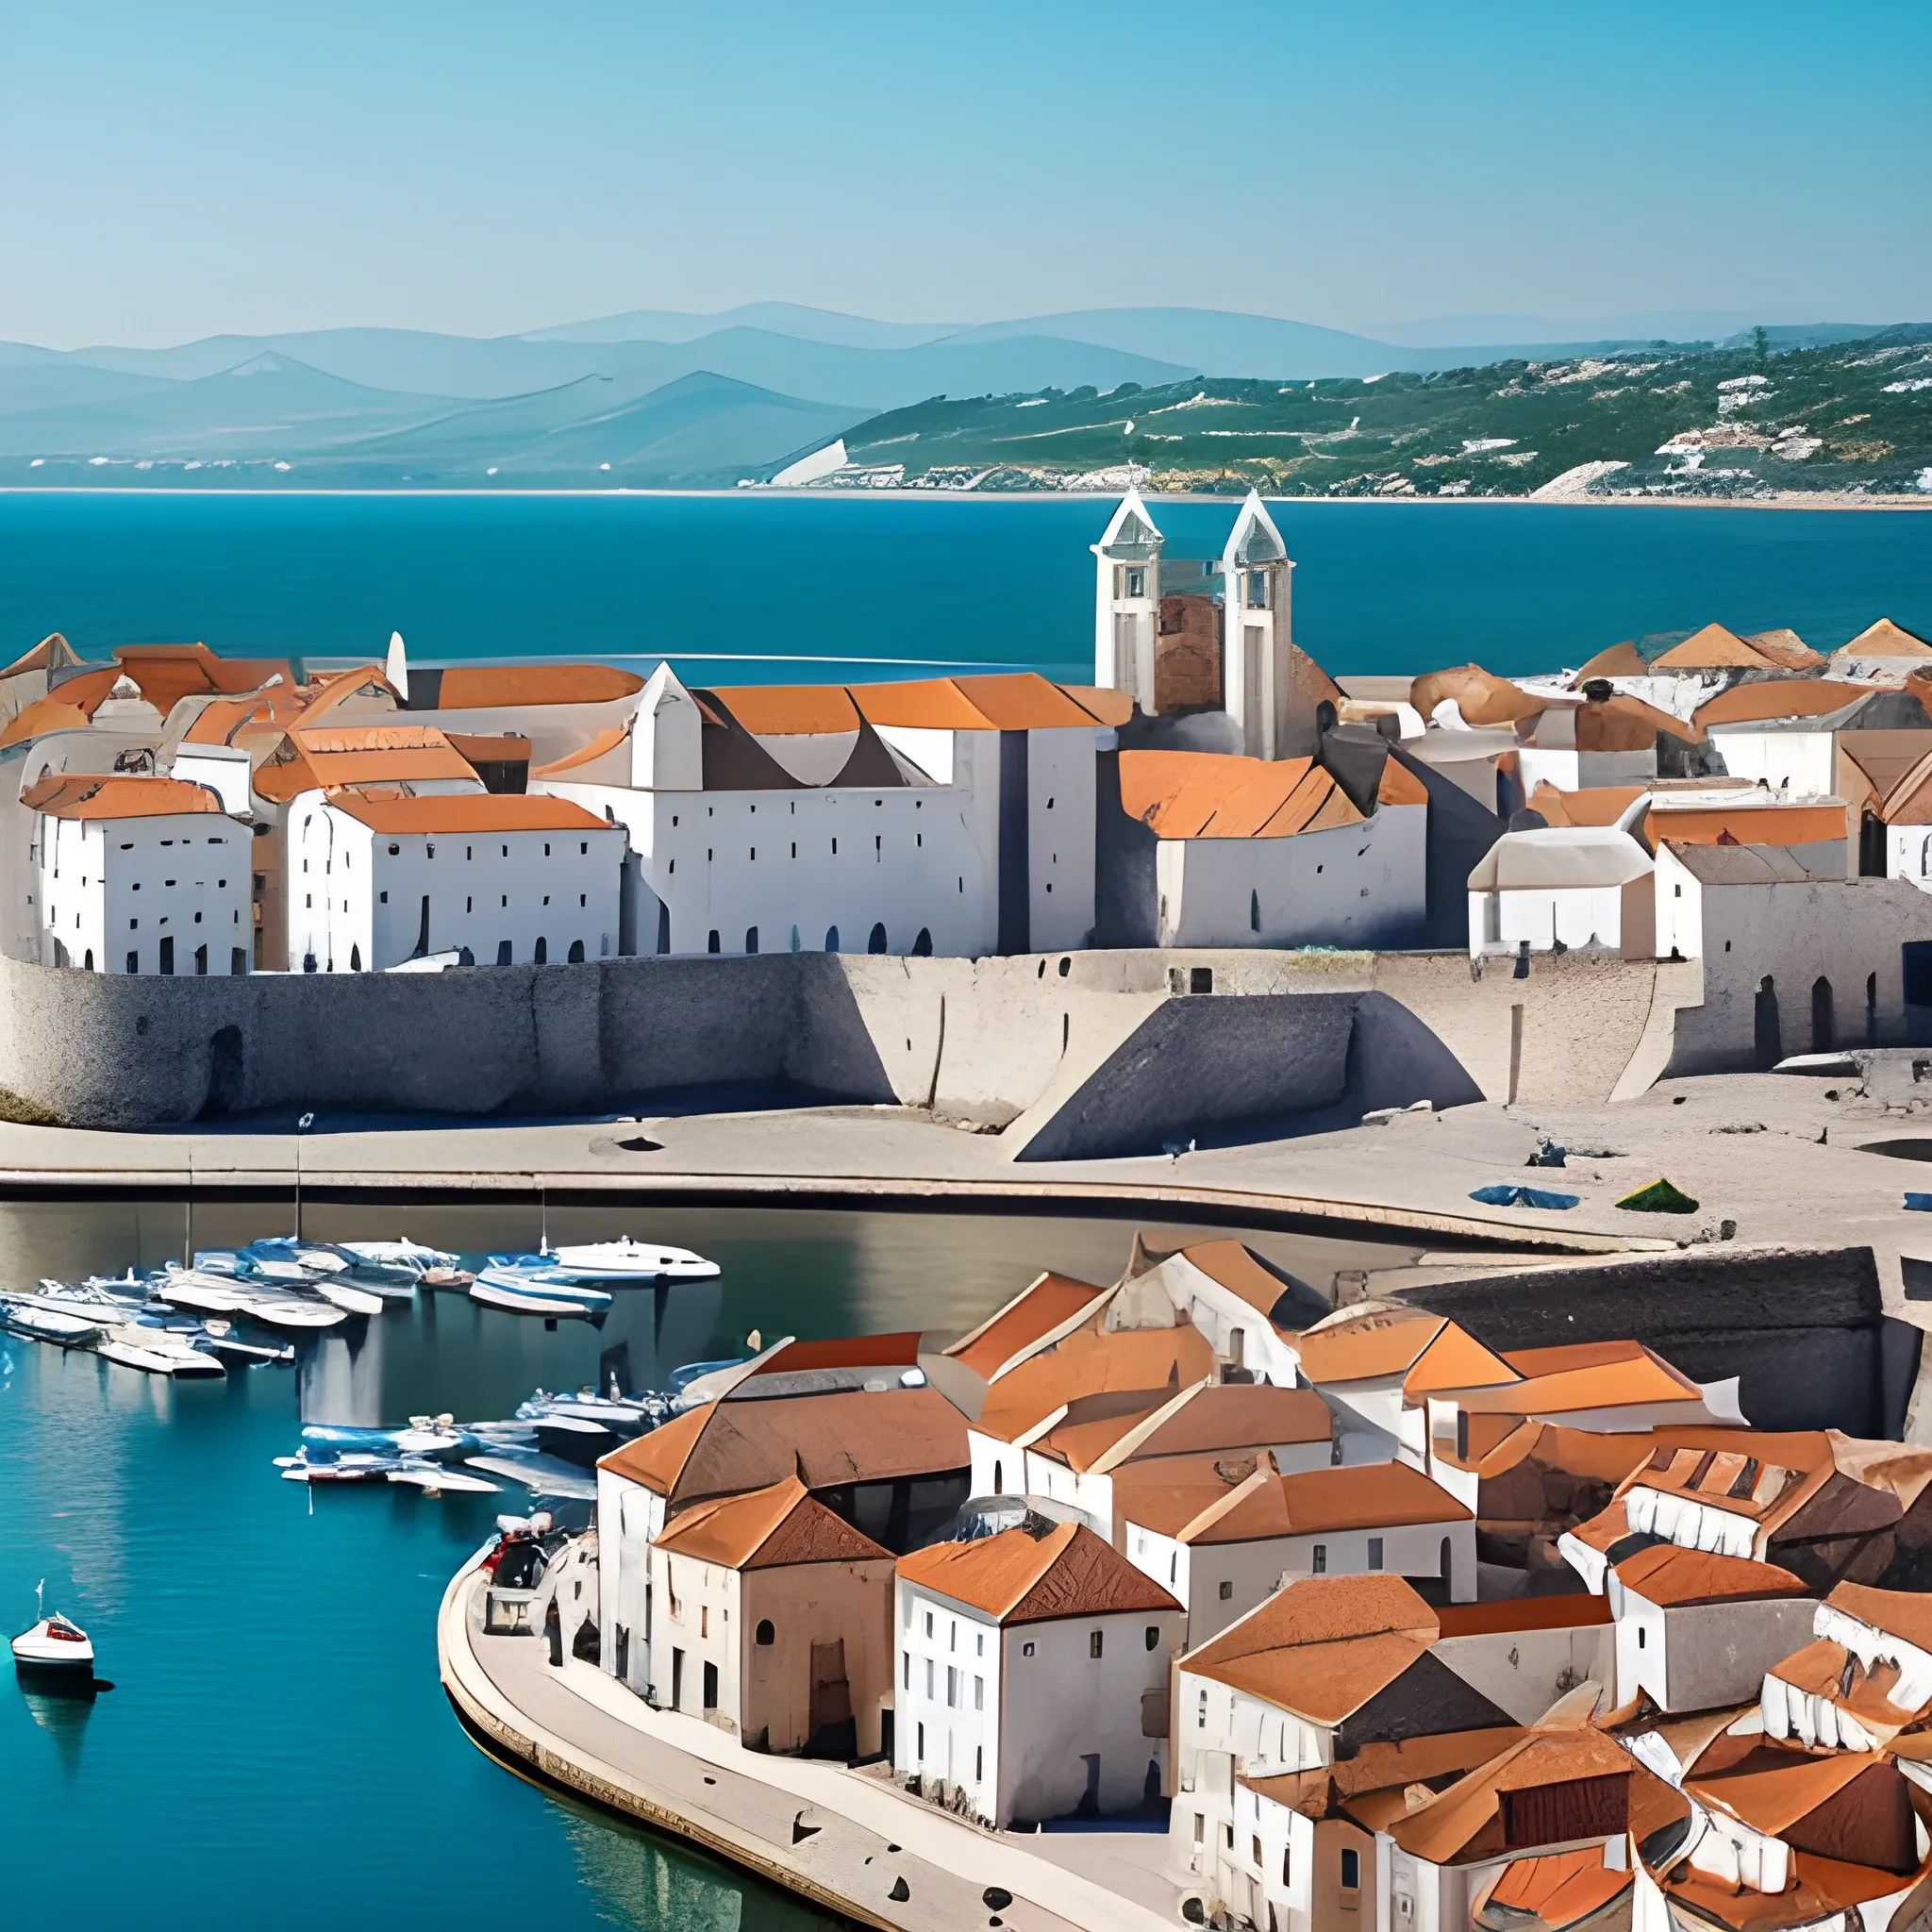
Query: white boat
point(88, 1301)
point(53, 1647)
point(433, 1478)
point(350, 1299)
point(223, 1338)
point(622, 1263)
point(498, 1290)
point(287, 1311)
point(156, 1352)
point(408, 1254)
point(206, 1295)
point(49, 1325)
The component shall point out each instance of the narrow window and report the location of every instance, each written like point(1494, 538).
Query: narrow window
point(1093, 1642)
point(1374, 1552)
point(1226, 1596)
point(1351, 1870)
point(1319, 1565)
point(978, 1763)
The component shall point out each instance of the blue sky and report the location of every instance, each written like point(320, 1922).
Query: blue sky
point(170, 171)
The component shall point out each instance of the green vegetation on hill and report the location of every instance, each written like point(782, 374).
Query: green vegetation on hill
point(1849, 418)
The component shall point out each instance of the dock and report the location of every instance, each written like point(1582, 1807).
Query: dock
point(850, 1841)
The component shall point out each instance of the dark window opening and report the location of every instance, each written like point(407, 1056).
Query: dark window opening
point(876, 943)
point(577, 952)
point(765, 1633)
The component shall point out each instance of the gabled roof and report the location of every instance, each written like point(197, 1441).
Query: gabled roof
point(1432, 1354)
point(1019, 1576)
point(1162, 1361)
point(1741, 865)
point(492, 687)
point(1779, 697)
point(1609, 1375)
point(828, 1440)
point(1714, 648)
point(90, 795)
point(1013, 701)
point(1905, 1613)
point(1449, 1825)
point(1046, 1304)
point(1885, 638)
point(1615, 660)
point(1675, 1579)
point(1205, 794)
point(1786, 648)
point(1771, 1789)
point(467, 811)
point(1560, 857)
point(781, 710)
point(1320, 1646)
point(766, 1528)
point(1109, 707)
point(1589, 805)
point(167, 672)
point(1377, 1495)
point(1240, 1271)
point(70, 706)
point(1219, 1416)
point(53, 653)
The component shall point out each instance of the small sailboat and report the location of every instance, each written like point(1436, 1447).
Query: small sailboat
point(500, 1289)
point(54, 1649)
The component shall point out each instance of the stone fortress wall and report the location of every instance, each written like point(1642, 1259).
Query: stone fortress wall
point(1075, 1054)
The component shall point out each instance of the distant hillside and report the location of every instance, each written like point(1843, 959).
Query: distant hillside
point(1852, 416)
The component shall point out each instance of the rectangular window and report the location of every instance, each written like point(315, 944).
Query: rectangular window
point(1227, 1592)
point(907, 1655)
point(978, 1763)
point(1374, 1552)
point(1093, 1641)
point(928, 1676)
point(1200, 1829)
point(929, 1623)
point(921, 1744)
point(951, 1688)
point(979, 1693)
point(1351, 1870)
point(1254, 1848)
point(1319, 1562)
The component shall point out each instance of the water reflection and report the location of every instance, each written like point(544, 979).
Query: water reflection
point(661, 1888)
point(62, 1712)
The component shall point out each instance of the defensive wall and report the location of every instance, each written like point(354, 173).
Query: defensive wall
point(1075, 1054)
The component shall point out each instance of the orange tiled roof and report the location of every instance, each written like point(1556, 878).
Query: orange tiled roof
point(89, 795)
point(1377, 1495)
point(780, 710)
point(1238, 1270)
point(1035, 1313)
point(765, 1529)
point(1571, 1610)
point(42, 716)
point(468, 811)
point(1617, 661)
point(658, 1459)
point(1020, 701)
point(1672, 1577)
point(1113, 707)
point(1320, 1646)
point(1400, 786)
point(1432, 1354)
point(1629, 1379)
point(1020, 1577)
point(1779, 697)
point(1770, 1788)
point(1206, 794)
point(1905, 1613)
point(1746, 824)
point(1450, 1824)
point(605, 741)
point(1231, 1415)
point(1560, 1889)
point(1886, 638)
point(489, 687)
point(1085, 1364)
point(168, 672)
point(1714, 648)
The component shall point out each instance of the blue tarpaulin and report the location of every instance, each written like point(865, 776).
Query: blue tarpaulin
point(1507, 1196)
point(1921, 1202)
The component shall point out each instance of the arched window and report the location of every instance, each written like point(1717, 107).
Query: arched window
point(1768, 1036)
point(542, 953)
point(831, 939)
point(1821, 1015)
point(355, 958)
point(751, 939)
point(999, 1478)
point(922, 946)
point(503, 952)
point(876, 943)
point(711, 940)
point(765, 1633)
point(88, 964)
point(1253, 913)
point(576, 952)
point(1325, 716)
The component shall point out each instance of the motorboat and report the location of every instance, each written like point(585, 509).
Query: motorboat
point(48, 1325)
point(90, 1300)
point(220, 1337)
point(435, 1478)
point(283, 1250)
point(626, 1264)
point(295, 1313)
point(347, 1297)
point(412, 1257)
point(500, 1289)
point(55, 1648)
point(449, 1279)
point(354, 1466)
point(194, 1287)
point(157, 1352)
point(423, 1435)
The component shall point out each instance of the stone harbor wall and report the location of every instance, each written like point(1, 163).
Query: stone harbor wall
point(1104, 1052)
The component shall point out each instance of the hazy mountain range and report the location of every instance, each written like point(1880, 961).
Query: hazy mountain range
point(648, 398)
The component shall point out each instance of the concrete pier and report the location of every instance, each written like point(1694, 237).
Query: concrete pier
point(848, 1840)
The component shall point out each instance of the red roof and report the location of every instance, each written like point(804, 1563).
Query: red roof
point(1021, 1577)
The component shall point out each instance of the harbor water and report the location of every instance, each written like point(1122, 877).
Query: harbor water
point(749, 588)
point(277, 1748)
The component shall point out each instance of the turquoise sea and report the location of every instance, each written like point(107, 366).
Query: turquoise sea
point(738, 588)
point(276, 1750)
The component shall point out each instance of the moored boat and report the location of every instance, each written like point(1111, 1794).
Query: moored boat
point(500, 1289)
point(625, 1264)
point(25, 1316)
point(54, 1648)
point(157, 1352)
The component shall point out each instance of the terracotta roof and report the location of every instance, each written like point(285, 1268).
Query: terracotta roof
point(1113, 707)
point(1622, 722)
point(1020, 701)
point(1380, 1765)
point(1231, 1415)
point(1779, 697)
point(489, 686)
point(1398, 785)
point(1085, 1364)
point(1591, 804)
point(42, 716)
point(827, 1440)
point(1746, 824)
point(468, 811)
point(1819, 1891)
point(1320, 1646)
point(506, 748)
point(1354, 1347)
point(1572, 1610)
point(167, 672)
point(605, 741)
point(1033, 1313)
point(1750, 1473)
point(1885, 638)
point(221, 721)
point(1018, 1577)
point(1714, 648)
point(1448, 1825)
point(766, 1528)
point(1771, 1789)
point(1672, 1577)
point(1615, 1382)
point(1482, 698)
point(778, 710)
point(1905, 1613)
point(1617, 661)
point(1375, 1495)
point(1819, 1670)
point(1095, 1426)
point(90, 795)
point(330, 694)
point(898, 1351)
point(1559, 1889)
point(1205, 794)
point(1786, 648)
point(1165, 1494)
point(1238, 1270)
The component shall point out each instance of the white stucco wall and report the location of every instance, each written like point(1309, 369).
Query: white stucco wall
point(1061, 771)
point(1797, 763)
point(115, 890)
point(1568, 916)
point(1361, 885)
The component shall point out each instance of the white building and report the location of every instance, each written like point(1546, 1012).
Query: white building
point(374, 880)
point(1222, 1559)
point(1563, 886)
point(1247, 853)
point(1033, 1675)
point(137, 875)
point(952, 816)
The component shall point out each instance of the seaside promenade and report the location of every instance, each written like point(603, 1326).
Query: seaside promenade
point(849, 1840)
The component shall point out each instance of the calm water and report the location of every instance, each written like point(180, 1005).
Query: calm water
point(278, 1749)
point(725, 585)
